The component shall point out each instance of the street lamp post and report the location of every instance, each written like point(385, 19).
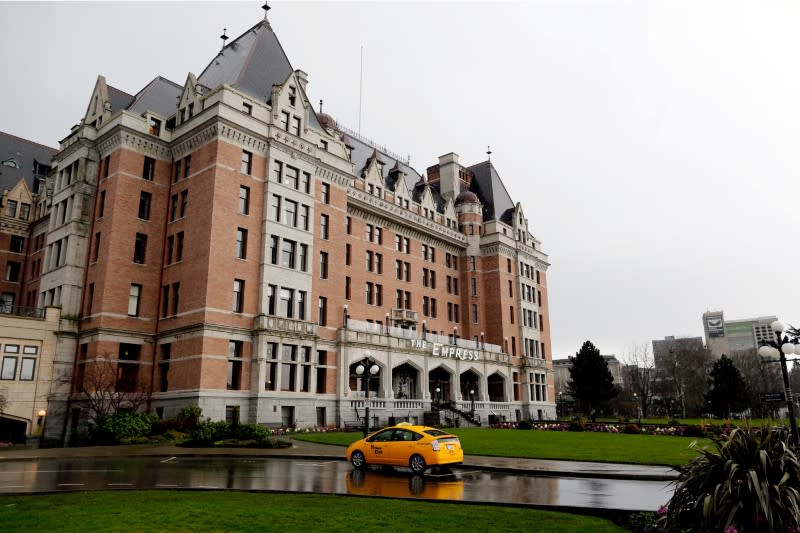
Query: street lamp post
point(365, 369)
point(472, 401)
point(782, 346)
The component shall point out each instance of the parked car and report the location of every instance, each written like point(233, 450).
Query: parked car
point(405, 445)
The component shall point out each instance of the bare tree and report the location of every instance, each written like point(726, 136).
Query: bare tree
point(109, 386)
point(640, 377)
point(682, 372)
point(760, 378)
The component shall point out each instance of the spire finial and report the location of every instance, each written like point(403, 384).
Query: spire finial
point(223, 37)
point(489, 152)
point(266, 9)
point(320, 105)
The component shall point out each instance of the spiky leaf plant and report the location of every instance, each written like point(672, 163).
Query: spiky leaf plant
point(750, 482)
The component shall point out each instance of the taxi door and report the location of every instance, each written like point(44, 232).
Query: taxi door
point(377, 452)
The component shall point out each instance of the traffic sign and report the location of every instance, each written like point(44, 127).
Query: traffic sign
point(773, 397)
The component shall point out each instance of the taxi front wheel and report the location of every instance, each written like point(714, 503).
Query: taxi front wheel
point(358, 460)
point(417, 464)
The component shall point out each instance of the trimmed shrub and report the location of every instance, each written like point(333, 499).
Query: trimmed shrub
point(524, 424)
point(632, 429)
point(121, 426)
point(577, 425)
point(250, 432)
point(209, 432)
point(694, 431)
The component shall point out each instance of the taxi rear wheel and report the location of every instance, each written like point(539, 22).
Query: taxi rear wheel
point(417, 464)
point(358, 460)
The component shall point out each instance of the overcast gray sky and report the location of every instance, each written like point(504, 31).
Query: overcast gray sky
point(653, 145)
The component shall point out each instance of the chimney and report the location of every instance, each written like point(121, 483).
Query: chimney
point(449, 185)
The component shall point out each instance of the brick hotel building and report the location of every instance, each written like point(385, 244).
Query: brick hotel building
point(223, 244)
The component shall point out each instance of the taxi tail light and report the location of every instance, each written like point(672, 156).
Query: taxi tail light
point(435, 445)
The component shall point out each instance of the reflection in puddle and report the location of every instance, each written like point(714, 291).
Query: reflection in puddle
point(399, 485)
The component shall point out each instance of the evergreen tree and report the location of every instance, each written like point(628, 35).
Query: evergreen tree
point(591, 383)
point(727, 390)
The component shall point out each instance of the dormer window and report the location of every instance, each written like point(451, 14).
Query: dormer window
point(295, 126)
point(191, 110)
point(284, 121)
point(323, 145)
point(155, 126)
point(247, 108)
point(292, 96)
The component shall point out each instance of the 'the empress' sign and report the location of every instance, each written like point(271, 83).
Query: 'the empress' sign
point(443, 350)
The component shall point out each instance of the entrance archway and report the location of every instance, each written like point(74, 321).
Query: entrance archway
point(440, 379)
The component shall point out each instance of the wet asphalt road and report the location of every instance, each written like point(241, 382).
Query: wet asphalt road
point(327, 477)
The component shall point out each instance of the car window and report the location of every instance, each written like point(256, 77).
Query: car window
point(405, 435)
point(383, 436)
point(435, 432)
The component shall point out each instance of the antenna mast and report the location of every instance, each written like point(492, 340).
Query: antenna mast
point(360, 88)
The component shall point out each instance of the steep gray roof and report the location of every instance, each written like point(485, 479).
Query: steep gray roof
point(253, 63)
point(32, 160)
point(497, 203)
point(160, 96)
point(118, 99)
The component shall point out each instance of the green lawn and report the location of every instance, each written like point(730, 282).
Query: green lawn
point(565, 445)
point(165, 511)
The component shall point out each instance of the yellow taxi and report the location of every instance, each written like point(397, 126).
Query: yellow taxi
point(415, 447)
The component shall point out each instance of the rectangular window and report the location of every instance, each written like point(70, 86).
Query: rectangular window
point(323, 226)
point(290, 176)
point(284, 121)
point(347, 254)
point(173, 208)
point(306, 183)
point(288, 251)
point(347, 288)
point(176, 171)
point(11, 208)
point(187, 163)
point(304, 211)
point(275, 207)
point(133, 299)
point(176, 297)
point(323, 311)
point(149, 168)
point(301, 305)
point(286, 302)
point(140, 248)
point(238, 296)
point(106, 165)
point(247, 162)
point(290, 213)
point(304, 257)
point(244, 200)
point(184, 201)
point(234, 381)
point(368, 229)
point(474, 286)
point(247, 108)
point(326, 193)
point(164, 300)
point(179, 247)
point(349, 225)
point(101, 204)
point(273, 249)
point(28, 369)
point(17, 244)
point(241, 243)
point(277, 172)
point(9, 370)
point(323, 265)
point(296, 126)
point(370, 293)
point(145, 198)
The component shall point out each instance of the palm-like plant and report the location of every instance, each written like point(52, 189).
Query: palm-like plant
point(751, 482)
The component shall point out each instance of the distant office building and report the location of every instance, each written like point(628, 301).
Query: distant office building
point(561, 375)
point(677, 346)
point(735, 336)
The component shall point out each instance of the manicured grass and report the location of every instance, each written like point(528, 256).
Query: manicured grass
point(564, 445)
point(165, 511)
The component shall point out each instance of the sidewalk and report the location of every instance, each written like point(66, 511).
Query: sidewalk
point(310, 450)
